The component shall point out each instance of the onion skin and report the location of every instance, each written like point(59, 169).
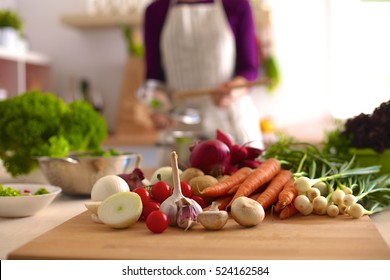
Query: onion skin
point(133, 179)
point(210, 156)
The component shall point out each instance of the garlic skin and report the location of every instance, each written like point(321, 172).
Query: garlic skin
point(180, 210)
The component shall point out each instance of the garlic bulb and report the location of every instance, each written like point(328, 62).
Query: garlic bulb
point(180, 210)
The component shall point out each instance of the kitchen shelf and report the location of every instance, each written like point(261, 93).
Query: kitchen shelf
point(27, 57)
point(85, 21)
point(21, 71)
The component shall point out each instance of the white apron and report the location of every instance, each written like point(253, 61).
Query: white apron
point(198, 51)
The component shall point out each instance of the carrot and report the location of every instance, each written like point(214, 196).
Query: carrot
point(233, 189)
point(288, 212)
point(222, 188)
point(270, 195)
point(278, 207)
point(222, 201)
point(254, 196)
point(286, 196)
point(260, 176)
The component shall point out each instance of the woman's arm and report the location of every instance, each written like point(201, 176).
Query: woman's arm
point(241, 19)
point(154, 18)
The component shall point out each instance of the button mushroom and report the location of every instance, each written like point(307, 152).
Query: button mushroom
point(213, 219)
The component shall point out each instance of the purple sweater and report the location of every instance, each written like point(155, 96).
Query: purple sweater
point(240, 19)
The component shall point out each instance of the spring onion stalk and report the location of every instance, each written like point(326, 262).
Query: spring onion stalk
point(315, 167)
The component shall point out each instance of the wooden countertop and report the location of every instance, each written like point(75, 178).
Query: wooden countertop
point(301, 237)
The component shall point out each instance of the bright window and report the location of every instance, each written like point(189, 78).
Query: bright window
point(359, 56)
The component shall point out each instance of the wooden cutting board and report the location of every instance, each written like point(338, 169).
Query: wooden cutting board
point(300, 237)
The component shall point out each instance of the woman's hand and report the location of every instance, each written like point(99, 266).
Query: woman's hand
point(161, 121)
point(224, 96)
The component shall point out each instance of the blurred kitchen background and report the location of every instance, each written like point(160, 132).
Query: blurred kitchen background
point(332, 55)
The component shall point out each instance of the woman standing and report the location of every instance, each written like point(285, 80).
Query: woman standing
point(196, 44)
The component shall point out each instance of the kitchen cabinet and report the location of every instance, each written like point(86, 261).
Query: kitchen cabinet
point(22, 71)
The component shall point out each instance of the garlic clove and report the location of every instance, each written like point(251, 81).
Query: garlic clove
point(187, 216)
point(169, 207)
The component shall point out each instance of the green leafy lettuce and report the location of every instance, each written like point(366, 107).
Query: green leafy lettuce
point(40, 124)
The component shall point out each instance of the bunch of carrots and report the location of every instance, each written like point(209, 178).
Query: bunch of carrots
point(269, 184)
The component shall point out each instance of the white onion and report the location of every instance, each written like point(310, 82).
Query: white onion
point(332, 210)
point(108, 185)
point(349, 199)
point(301, 202)
point(164, 174)
point(303, 184)
point(338, 196)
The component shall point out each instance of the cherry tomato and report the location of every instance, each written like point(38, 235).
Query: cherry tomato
point(157, 221)
point(160, 191)
point(149, 207)
point(143, 193)
point(186, 189)
point(200, 200)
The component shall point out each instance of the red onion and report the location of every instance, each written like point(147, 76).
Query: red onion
point(210, 156)
point(253, 153)
point(133, 179)
point(251, 163)
point(224, 138)
point(237, 154)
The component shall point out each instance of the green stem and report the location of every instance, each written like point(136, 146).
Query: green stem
point(301, 163)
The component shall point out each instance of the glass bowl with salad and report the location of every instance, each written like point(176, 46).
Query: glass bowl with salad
point(23, 200)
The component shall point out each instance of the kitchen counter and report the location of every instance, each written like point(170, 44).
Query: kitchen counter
point(17, 232)
point(20, 231)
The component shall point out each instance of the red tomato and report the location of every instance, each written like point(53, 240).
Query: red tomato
point(200, 201)
point(157, 221)
point(160, 191)
point(149, 207)
point(143, 193)
point(186, 189)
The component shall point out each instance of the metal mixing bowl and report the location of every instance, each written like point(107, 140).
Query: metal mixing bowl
point(77, 173)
